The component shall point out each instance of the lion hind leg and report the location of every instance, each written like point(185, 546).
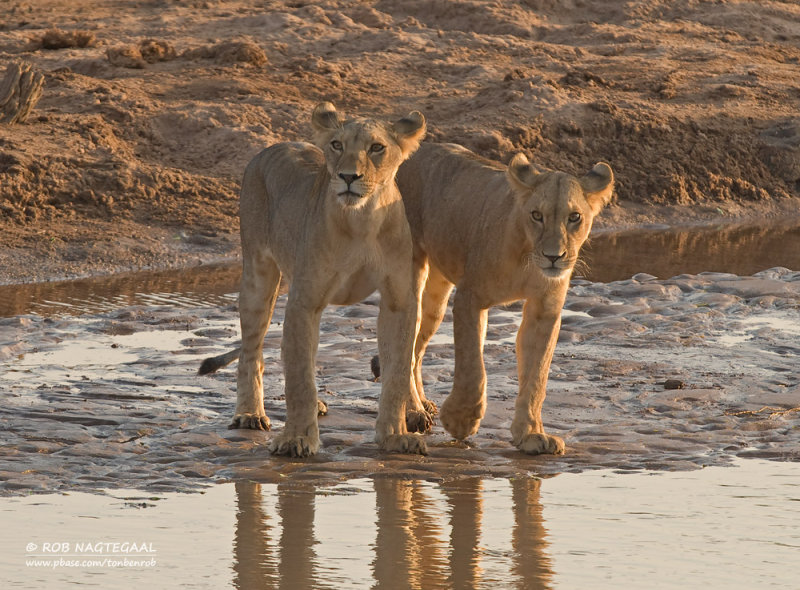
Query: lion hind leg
point(433, 306)
point(419, 421)
point(250, 421)
point(421, 414)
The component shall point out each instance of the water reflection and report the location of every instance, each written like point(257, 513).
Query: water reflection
point(409, 551)
point(737, 249)
point(464, 507)
point(529, 538)
point(252, 568)
point(741, 250)
point(202, 285)
point(720, 527)
point(424, 536)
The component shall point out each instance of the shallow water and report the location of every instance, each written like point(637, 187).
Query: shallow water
point(736, 249)
point(720, 527)
point(740, 250)
point(215, 284)
point(101, 394)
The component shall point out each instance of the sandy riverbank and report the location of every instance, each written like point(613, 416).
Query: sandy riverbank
point(132, 157)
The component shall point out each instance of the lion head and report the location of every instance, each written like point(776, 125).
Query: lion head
point(558, 211)
point(363, 154)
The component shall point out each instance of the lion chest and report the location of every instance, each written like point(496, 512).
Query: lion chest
point(354, 285)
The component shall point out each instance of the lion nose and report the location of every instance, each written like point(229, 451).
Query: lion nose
point(350, 178)
point(554, 259)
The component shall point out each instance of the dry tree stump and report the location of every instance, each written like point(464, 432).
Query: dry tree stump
point(20, 90)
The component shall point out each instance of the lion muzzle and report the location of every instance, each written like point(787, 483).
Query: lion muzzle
point(352, 188)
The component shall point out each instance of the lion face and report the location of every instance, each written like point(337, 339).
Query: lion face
point(363, 155)
point(557, 210)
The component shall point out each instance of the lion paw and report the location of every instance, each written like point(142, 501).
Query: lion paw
point(322, 408)
point(418, 421)
point(461, 422)
point(404, 443)
point(540, 443)
point(294, 445)
point(250, 422)
point(430, 407)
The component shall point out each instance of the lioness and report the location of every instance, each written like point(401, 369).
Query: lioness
point(330, 219)
point(499, 234)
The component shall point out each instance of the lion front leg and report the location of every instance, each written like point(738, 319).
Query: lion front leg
point(259, 290)
point(462, 411)
point(536, 341)
point(300, 436)
point(396, 329)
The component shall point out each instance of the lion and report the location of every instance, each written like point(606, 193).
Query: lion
point(329, 218)
point(498, 234)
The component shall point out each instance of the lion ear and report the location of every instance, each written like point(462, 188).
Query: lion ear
point(521, 174)
point(598, 186)
point(409, 131)
point(325, 118)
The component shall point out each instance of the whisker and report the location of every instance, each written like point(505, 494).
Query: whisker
point(529, 261)
point(581, 267)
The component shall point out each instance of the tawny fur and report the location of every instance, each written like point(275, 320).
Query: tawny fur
point(488, 230)
point(329, 218)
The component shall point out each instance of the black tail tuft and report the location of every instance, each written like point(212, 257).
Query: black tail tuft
point(210, 365)
point(375, 365)
point(217, 362)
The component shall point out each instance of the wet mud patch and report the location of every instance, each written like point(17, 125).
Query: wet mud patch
point(648, 374)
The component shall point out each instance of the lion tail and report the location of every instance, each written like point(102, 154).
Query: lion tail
point(215, 363)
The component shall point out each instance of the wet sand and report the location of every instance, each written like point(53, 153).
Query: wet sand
point(649, 374)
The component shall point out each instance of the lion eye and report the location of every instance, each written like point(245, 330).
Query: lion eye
point(574, 217)
point(536, 215)
point(377, 148)
point(336, 145)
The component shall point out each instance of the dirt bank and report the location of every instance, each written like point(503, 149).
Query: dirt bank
point(149, 110)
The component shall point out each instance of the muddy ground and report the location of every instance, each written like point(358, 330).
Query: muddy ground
point(149, 110)
point(655, 374)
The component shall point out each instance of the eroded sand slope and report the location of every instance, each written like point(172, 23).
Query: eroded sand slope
point(150, 110)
